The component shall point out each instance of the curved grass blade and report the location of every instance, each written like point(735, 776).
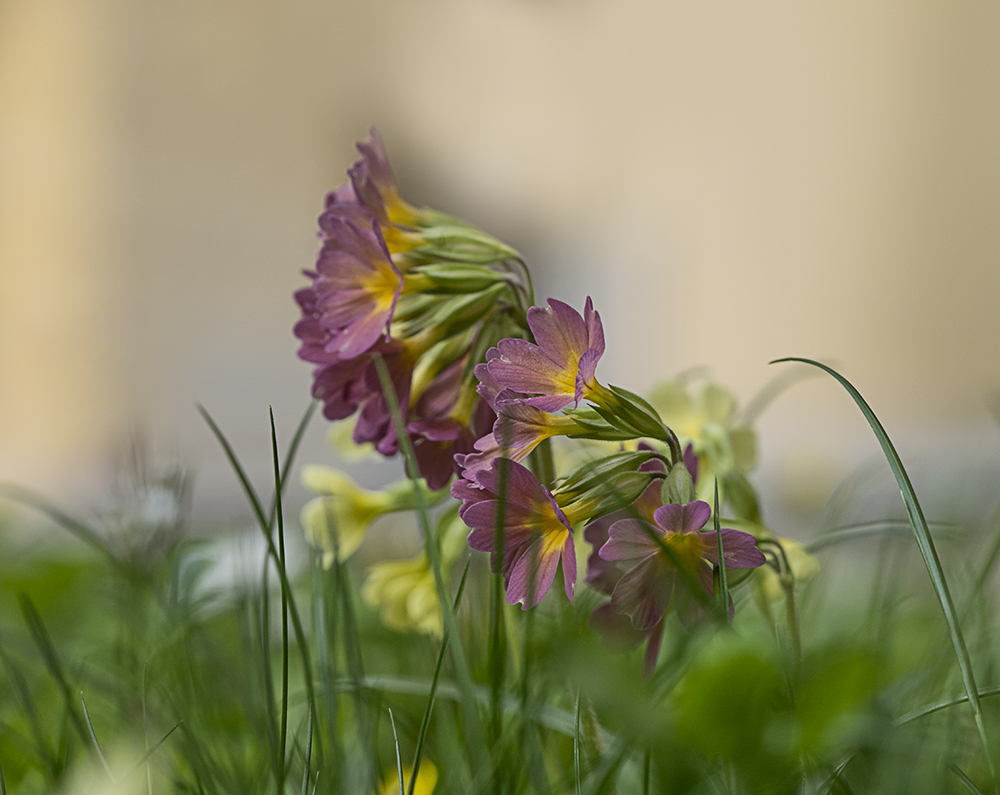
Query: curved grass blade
point(576, 748)
point(474, 727)
point(309, 749)
point(721, 568)
point(146, 756)
point(882, 527)
point(64, 520)
point(399, 760)
point(44, 643)
point(265, 527)
point(279, 516)
point(937, 706)
point(925, 543)
point(426, 720)
point(964, 779)
point(93, 739)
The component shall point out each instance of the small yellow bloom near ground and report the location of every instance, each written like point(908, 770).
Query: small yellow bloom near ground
point(336, 522)
point(427, 778)
point(405, 594)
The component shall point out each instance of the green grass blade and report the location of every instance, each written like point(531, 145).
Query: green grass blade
point(146, 756)
point(44, 643)
point(964, 779)
point(279, 516)
point(399, 759)
point(309, 748)
point(937, 706)
point(265, 527)
point(293, 449)
point(426, 720)
point(93, 739)
point(74, 526)
point(237, 468)
point(721, 568)
point(31, 710)
point(927, 550)
point(576, 748)
point(474, 725)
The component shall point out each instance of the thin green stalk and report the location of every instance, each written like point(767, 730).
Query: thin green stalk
point(279, 516)
point(93, 739)
point(475, 729)
point(576, 748)
point(149, 753)
point(44, 643)
point(265, 527)
point(721, 568)
point(399, 759)
point(927, 550)
point(74, 526)
point(426, 720)
point(309, 748)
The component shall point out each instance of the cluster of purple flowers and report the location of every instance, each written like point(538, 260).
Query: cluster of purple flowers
point(647, 555)
point(484, 380)
point(423, 290)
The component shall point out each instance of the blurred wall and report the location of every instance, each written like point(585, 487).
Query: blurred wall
point(733, 183)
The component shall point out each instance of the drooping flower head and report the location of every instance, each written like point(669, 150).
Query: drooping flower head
point(517, 520)
point(560, 368)
point(668, 558)
point(356, 288)
point(421, 290)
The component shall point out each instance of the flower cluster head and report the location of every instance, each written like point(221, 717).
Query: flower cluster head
point(669, 559)
point(425, 292)
point(419, 324)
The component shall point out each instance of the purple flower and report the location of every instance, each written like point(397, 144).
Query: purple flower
point(356, 289)
point(560, 368)
point(518, 430)
point(645, 590)
point(535, 535)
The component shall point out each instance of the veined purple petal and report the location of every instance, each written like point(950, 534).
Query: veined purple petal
point(551, 369)
point(687, 518)
point(532, 575)
point(526, 368)
point(569, 566)
point(630, 539)
point(643, 593)
point(585, 376)
point(563, 334)
point(739, 548)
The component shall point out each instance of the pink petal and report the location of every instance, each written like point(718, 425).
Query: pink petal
point(643, 593)
point(629, 539)
point(683, 518)
point(739, 548)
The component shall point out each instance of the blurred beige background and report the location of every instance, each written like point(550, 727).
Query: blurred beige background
point(732, 182)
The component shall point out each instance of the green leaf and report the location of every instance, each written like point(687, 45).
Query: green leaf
point(678, 488)
point(927, 550)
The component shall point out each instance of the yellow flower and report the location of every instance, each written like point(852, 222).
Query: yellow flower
point(706, 418)
point(336, 521)
point(405, 594)
point(427, 778)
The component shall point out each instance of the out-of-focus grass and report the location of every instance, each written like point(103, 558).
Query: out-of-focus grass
point(874, 704)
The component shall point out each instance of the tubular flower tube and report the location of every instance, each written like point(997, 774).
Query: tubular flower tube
point(518, 430)
point(560, 368)
point(534, 536)
point(335, 523)
point(645, 590)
